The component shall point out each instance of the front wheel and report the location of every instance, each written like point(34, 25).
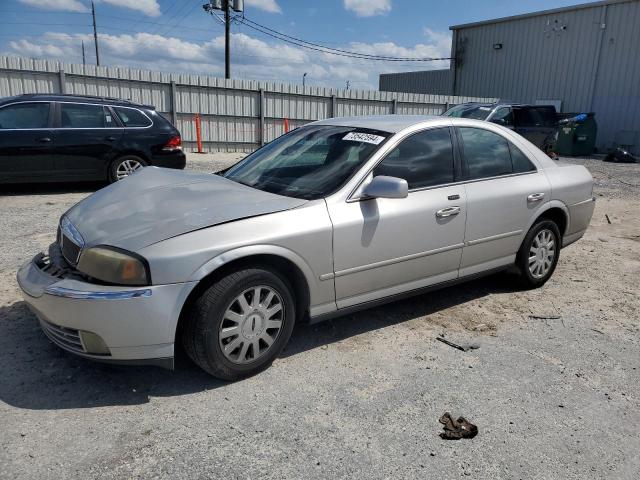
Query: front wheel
point(538, 255)
point(240, 324)
point(124, 166)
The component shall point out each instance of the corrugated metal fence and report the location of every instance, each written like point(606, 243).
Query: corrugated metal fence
point(236, 115)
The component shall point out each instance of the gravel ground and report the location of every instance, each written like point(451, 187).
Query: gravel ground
point(358, 396)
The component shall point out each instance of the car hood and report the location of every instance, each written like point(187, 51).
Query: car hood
point(157, 203)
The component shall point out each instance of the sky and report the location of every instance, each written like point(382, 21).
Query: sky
point(179, 36)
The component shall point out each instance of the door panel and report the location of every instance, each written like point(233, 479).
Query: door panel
point(85, 140)
point(26, 142)
point(498, 212)
point(501, 179)
point(388, 246)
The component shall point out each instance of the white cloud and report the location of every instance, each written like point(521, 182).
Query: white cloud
point(368, 8)
point(65, 5)
point(148, 7)
point(270, 6)
point(252, 58)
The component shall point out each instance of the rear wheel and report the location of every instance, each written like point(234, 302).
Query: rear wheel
point(539, 253)
point(124, 166)
point(240, 324)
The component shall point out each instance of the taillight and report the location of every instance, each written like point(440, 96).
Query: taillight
point(174, 143)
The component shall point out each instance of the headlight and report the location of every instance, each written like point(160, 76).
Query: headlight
point(113, 265)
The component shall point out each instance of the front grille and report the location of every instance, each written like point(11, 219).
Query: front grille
point(67, 338)
point(70, 250)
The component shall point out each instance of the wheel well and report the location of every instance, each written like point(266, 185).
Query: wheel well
point(124, 153)
point(558, 216)
point(288, 270)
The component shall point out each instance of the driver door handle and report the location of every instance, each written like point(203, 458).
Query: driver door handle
point(43, 140)
point(448, 212)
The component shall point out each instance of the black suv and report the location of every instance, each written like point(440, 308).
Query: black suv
point(70, 137)
point(536, 123)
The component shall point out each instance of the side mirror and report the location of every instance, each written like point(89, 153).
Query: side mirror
point(499, 121)
point(387, 187)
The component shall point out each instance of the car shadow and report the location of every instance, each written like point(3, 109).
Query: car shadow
point(38, 375)
point(57, 188)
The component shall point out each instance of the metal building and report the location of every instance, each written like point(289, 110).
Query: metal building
point(584, 58)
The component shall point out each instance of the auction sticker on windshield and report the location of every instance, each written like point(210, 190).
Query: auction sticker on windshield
point(363, 137)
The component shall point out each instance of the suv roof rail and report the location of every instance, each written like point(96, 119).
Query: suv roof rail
point(92, 97)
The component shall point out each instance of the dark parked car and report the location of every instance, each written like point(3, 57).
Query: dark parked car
point(536, 123)
point(71, 137)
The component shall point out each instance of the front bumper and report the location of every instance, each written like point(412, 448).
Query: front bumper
point(137, 325)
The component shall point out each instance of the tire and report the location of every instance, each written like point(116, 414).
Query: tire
point(535, 272)
point(217, 321)
point(120, 165)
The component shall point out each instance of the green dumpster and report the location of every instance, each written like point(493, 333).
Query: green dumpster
point(577, 135)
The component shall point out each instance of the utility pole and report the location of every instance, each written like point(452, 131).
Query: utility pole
point(304, 76)
point(225, 5)
point(348, 84)
point(227, 39)
point(95, 33)
point(84, 60)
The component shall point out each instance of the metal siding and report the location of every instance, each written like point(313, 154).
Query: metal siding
point(229, 109)
point(431, 81)
point(584, 66)
point(617, 88)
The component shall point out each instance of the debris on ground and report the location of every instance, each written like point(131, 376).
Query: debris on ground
point(456, 429)
point(463, 348)
point(544, 317)
point(608, 219)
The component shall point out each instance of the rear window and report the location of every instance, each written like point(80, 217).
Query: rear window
point(132, 117)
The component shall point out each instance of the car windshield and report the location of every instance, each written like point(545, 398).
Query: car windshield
point(309, 162)
point(476, 112)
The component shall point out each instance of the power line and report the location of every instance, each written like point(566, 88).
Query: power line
point(329, 50)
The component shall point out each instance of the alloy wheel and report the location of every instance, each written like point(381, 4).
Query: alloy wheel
point(127, 167)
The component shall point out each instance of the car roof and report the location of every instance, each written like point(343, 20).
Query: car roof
point(385, 123)
point(499, 104)
point(57, 97)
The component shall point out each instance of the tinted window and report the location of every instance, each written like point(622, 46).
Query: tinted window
point(131, 117)
point(25, 115)
point(423, 160)
point(486, 153)
point(535, 117)
point(503, 116)
point(469, 111)
point(520, 161)
point(76, 115)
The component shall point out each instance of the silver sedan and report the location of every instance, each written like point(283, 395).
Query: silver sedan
point(338, 215)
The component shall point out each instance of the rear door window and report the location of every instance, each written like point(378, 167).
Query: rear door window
point(486, 153)
point(528, 117)
point(132, 117)
point(520, 162)
point(425, 159)
point(25, 116)
point(79, 115)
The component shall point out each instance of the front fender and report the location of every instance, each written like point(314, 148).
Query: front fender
point(251, 250)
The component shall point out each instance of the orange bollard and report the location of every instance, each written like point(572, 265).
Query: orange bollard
point(286, 125)
point(198, 132)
